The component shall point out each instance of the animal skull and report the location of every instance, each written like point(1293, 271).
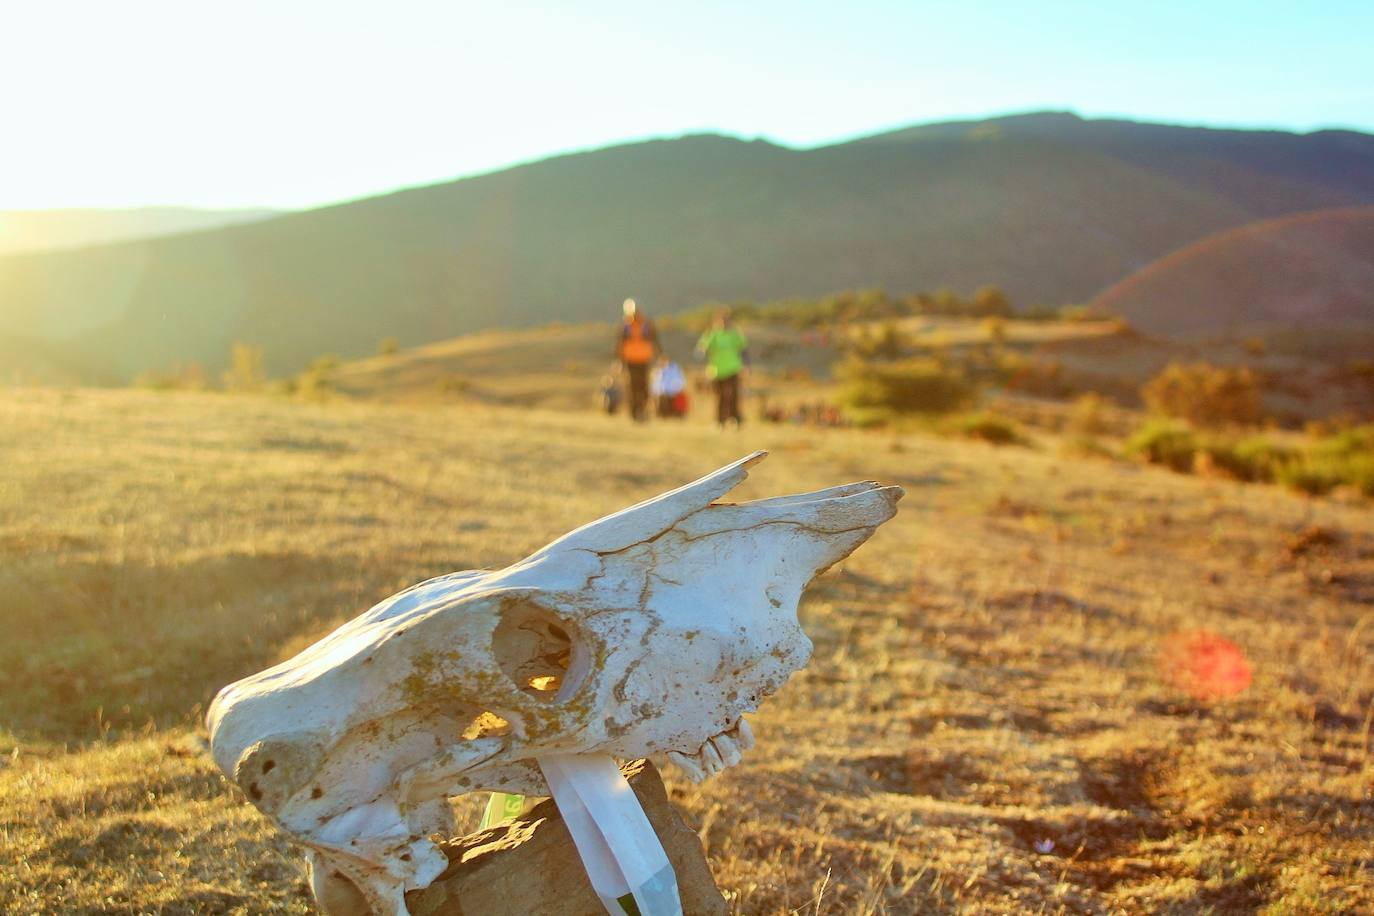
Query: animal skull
point(649, 632)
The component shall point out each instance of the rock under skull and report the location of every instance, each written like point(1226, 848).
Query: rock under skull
point(649, 632)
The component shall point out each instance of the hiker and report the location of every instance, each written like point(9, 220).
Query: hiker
point(727, 354)
point(669, 388)
point(635, 348)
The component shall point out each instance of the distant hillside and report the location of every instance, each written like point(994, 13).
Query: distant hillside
point(1050, 207)
point(1314, 269)
point(25, 231)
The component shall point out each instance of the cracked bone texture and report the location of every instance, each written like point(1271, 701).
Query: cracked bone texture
point(651, 632)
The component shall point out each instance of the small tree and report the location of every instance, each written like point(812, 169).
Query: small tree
point(245, 372)
point(990, 300)
point(947, 302)
point(1205, 394)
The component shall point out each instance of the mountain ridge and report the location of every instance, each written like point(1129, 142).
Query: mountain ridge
point(675, 222)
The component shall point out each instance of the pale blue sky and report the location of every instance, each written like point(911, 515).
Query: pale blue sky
point(295, 104)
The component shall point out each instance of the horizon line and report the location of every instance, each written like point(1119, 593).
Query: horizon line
point(841, 140)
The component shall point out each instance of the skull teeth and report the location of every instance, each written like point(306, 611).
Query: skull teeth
point(715, 754)
point(744, 735)
point(689, 766)
point(726, 749)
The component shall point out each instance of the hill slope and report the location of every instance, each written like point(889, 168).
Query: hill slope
point(23, 231)
point(1312, 268)
point(1050, 207)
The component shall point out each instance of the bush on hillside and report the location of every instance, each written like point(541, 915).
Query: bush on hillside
point(1089, 416)
point(888, 342)
point(245, 372)
point(316, 383)
point(1349, 456)
point(1205, 394)
point(903, 386)
point(989, 427)
point(1255, 459)
point(1345, 458)
point(1165, 442)
point(991, 301)
point(1308, 476)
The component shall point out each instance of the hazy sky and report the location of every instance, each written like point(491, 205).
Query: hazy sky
point(293, 103)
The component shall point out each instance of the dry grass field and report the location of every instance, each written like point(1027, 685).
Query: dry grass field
point(985, 727)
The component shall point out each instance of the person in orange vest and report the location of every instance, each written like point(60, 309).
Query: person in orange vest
point(636, 347)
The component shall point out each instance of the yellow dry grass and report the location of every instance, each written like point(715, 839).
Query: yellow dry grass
point(983, 728)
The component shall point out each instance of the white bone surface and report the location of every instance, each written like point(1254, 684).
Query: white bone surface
point(664, 624)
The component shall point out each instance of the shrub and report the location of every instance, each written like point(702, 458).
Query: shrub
point(1360, 475)
point(1089, 417)
point(317, 381)
point(989, 427)
point(886, 341)
point(1253, 459)
point(904, 386)
point(1347, 457)
point(245, 372)
point(990, 300)
point(1330, 426)
point(1087, 446)
point(1171, 444)
point(1309, 477)
point(1343, 459)
point(389, 346)
point(1205, 394)
point(1348, 442)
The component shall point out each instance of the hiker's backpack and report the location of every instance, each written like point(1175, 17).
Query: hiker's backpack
point(635, 345)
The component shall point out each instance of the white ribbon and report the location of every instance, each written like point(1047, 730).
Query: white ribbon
point(624, 859)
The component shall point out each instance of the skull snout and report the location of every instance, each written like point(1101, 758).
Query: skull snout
point(276, 768)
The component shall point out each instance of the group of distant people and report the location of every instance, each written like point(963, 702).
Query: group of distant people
point(650, 376)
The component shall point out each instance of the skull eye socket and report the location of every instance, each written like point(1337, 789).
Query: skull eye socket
point(534, 648)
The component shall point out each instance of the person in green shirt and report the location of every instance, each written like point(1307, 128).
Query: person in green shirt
point(726, 351)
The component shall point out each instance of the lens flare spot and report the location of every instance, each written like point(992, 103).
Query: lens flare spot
point(1206, 666)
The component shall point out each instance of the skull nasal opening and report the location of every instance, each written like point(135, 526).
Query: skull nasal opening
point(538, 650)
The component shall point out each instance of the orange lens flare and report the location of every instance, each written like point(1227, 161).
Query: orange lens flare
point(1206, 666)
